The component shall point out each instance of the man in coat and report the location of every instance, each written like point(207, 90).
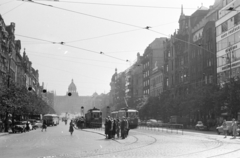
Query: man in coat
point(123, 124)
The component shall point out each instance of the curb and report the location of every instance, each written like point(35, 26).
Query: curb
point(3, 134)
point(91, 131)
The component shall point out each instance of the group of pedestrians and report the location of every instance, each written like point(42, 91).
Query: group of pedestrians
point(119, 127)
point(80, 122)
point(233, 127)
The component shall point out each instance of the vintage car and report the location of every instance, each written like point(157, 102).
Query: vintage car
point(200, 126)
point(152, 122)
point(19, 127)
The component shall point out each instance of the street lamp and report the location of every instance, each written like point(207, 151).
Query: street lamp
point(108, 110)
point(82, 111)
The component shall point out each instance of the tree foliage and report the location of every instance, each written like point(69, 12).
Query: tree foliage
point(18, 99)
point(207, 101)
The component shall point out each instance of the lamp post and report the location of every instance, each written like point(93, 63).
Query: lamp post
point(108, 110)
point(82, 111)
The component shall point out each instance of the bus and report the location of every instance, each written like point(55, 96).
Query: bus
point(51, 119)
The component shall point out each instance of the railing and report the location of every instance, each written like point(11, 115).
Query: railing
point(164, 127)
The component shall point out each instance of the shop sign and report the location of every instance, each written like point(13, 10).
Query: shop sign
point(228, 33)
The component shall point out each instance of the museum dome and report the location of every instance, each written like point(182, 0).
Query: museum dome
point(72, 87)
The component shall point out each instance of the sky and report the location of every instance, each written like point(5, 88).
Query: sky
point(87, 29)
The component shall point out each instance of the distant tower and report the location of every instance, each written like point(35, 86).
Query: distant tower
point(73, 89)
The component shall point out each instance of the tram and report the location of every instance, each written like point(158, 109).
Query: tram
point(93, 118)
point(131, 114)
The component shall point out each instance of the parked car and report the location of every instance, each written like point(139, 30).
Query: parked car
point(229, 126)
point(152, 122)
point(200, 126)
point(19, 127)
point(143, 123)
point(160, 123)
point(33, 123)
point(38, 124)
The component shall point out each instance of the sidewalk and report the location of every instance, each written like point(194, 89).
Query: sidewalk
point(3, 134)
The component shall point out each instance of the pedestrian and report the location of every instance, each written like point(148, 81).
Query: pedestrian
point(44, 126)
point(127, 127)
point(123, 128)
point(117, 127)
point(225, 128)
point(66, 121)
point(82, 122)
point(234, 128)
point(114, 128)
point(71, 127)
point(27, 126)
point(110, 126)
point(106, 127)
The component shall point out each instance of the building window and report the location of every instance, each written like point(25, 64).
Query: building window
point(231, 23)
point(237, 37)
point(167, 68)
point(167, 82)
point(224, 27)
point(237, 19)
point(219, 30)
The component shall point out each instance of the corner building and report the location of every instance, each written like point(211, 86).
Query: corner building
point(228, 41)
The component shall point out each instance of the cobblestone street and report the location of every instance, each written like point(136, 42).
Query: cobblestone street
point(57, 143)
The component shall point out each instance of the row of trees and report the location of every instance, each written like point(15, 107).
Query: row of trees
point(201, 103)
point(17, 100)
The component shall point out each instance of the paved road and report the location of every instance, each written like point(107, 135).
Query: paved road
point(56, 141)
point(141, 143)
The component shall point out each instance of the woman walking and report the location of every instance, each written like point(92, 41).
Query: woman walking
point(71, 127)
point(225, 128)
point(44, 126)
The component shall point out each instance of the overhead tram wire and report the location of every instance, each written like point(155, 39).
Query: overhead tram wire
point(71, 61)
point(13, 9)
point(183, 41)
point(89, 15)
point(6, 2)
point(71, 57)
point(118, 5)
point(85, 39)
point(94, 52)
point(63, 43)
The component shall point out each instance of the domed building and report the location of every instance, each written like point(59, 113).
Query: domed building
point(72, 89)
point(71, 103)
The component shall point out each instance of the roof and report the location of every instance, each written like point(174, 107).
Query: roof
point(72, 87)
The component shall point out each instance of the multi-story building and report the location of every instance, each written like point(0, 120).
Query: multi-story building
point(137, 79)
point(157, 67)
point(20, 71)
point(169, 65)
point(134, 82)
point(3, 50)
point(112, 93)
point(180, 40)
point(153, 55)
point(146, 63)
point(228, 41)
point(117, 92)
